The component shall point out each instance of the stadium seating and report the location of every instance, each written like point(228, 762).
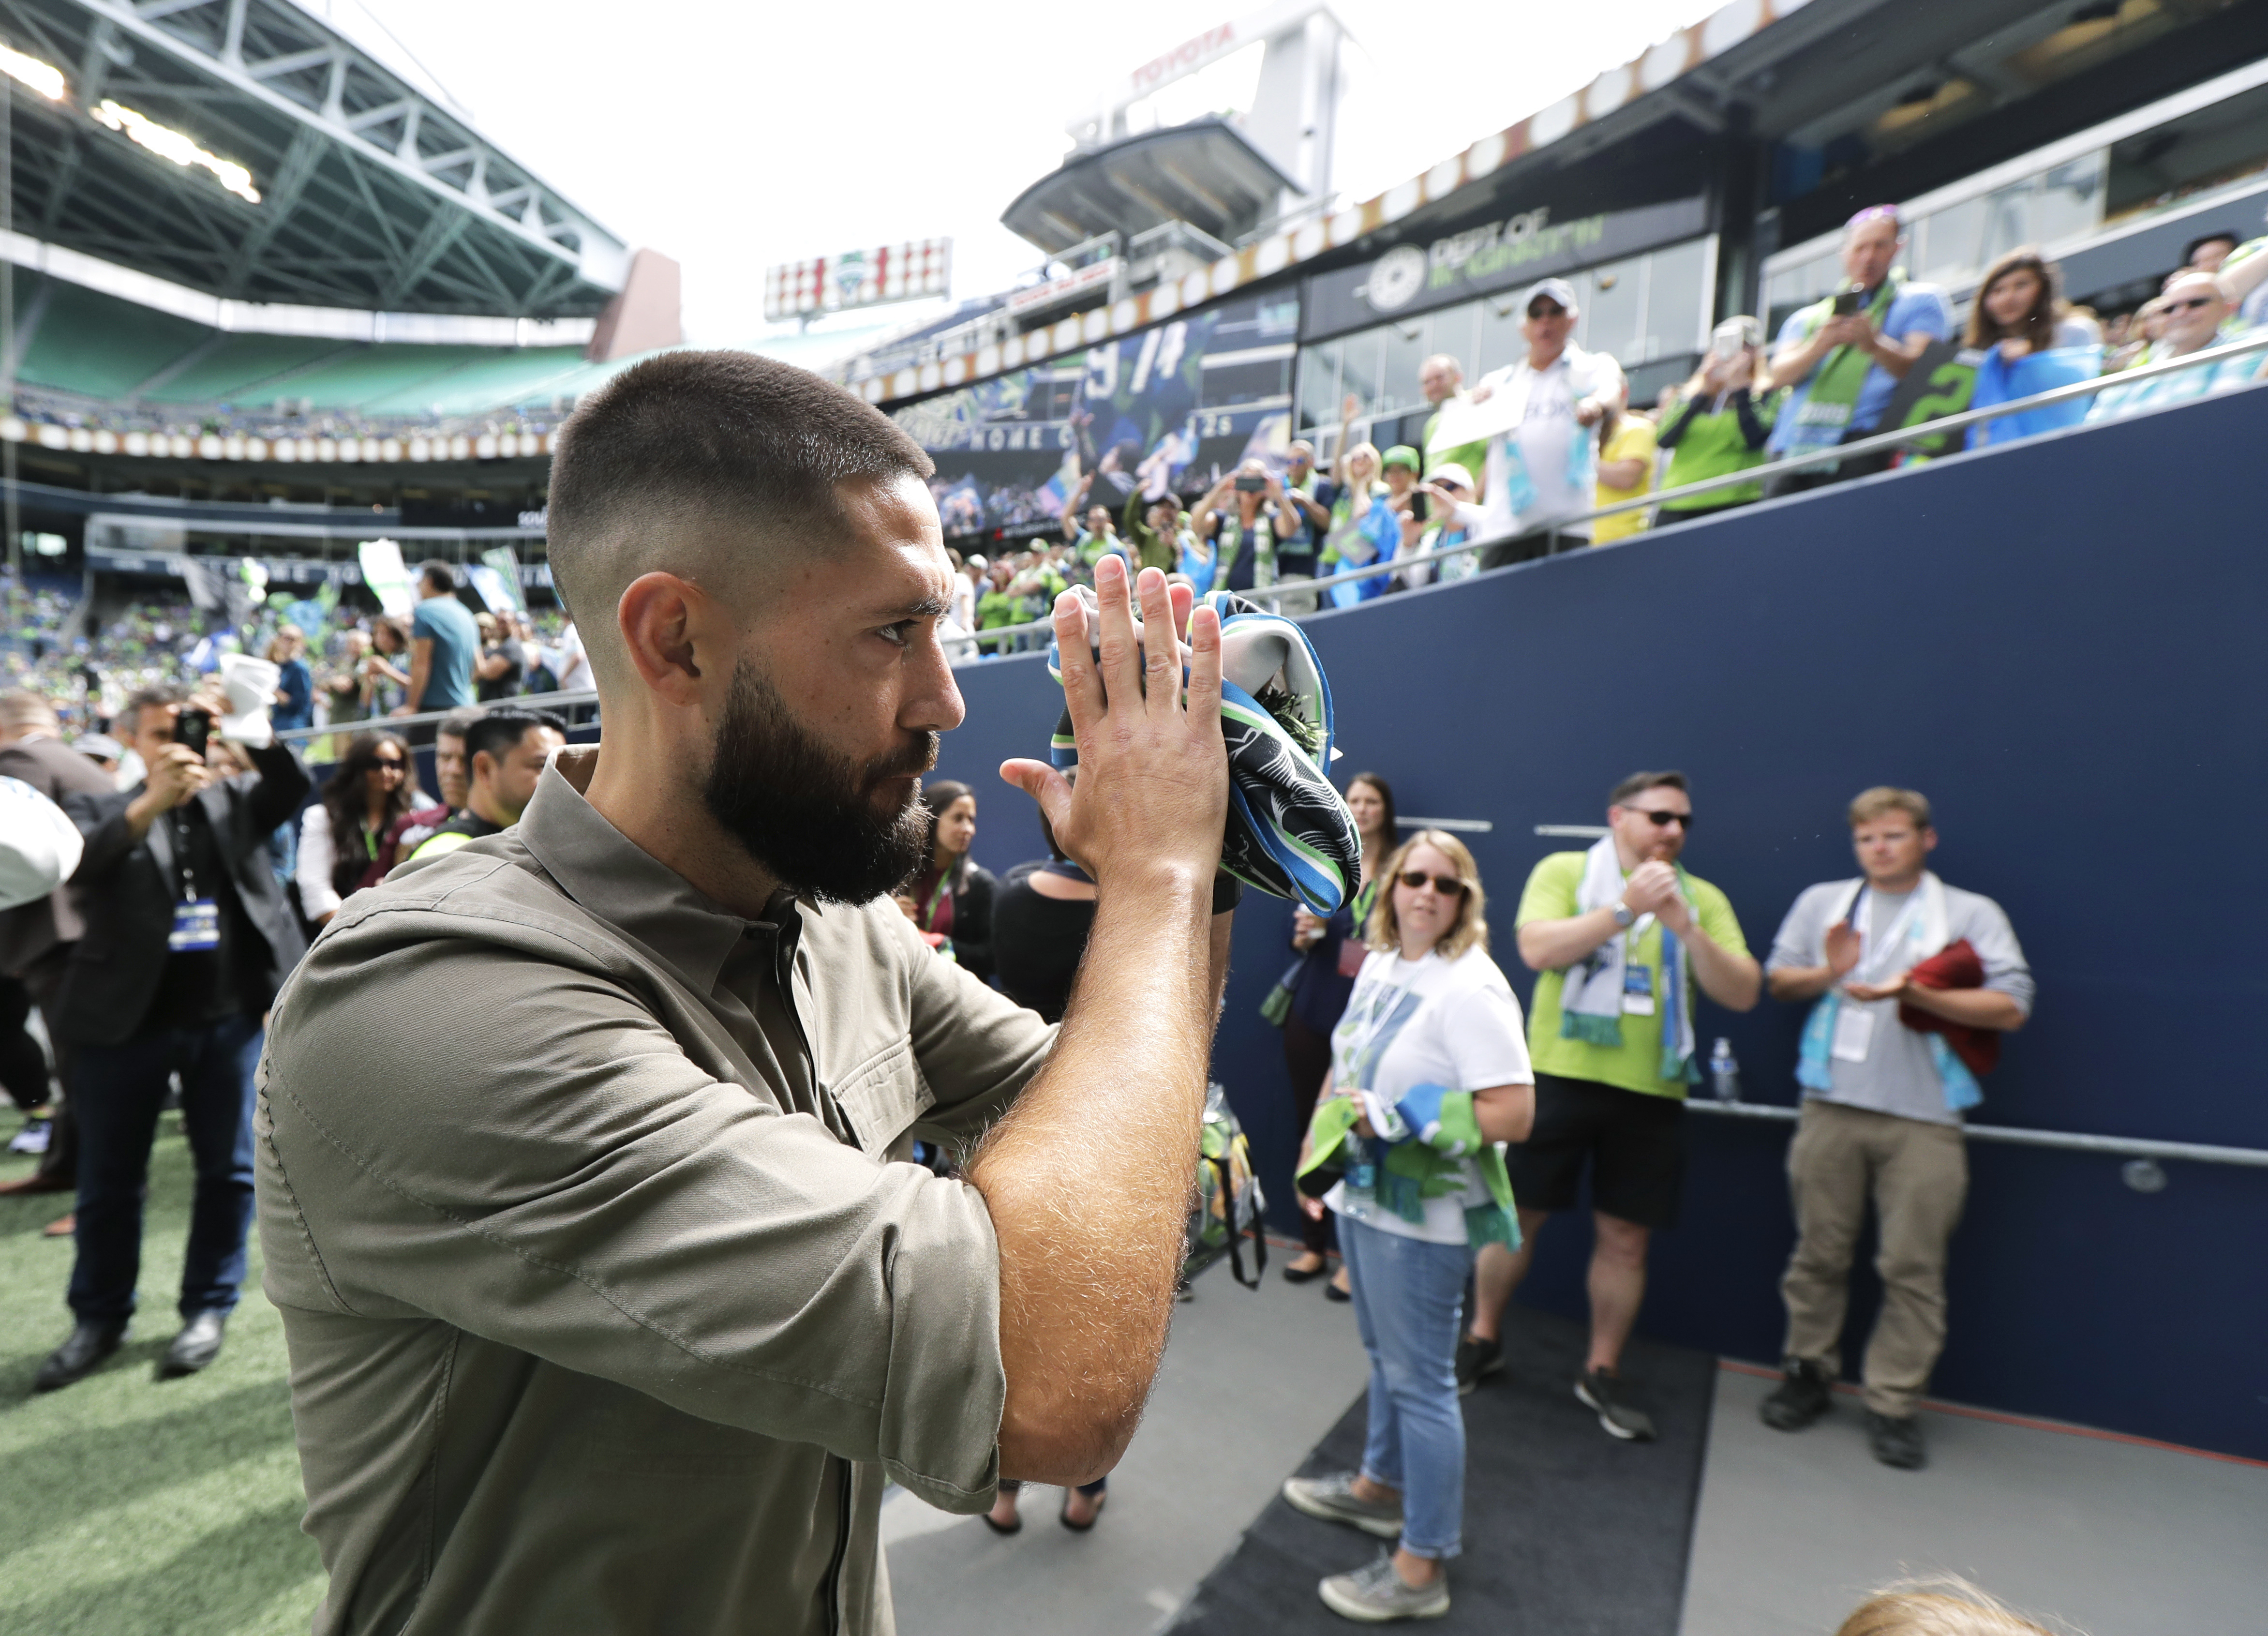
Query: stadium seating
point(244, 367)
point(96, 345)
point(102, 348)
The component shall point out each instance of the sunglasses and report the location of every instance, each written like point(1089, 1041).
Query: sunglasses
point(1448, 886)
point(1543, 310)
point(1661, 820)
point(2190, 305)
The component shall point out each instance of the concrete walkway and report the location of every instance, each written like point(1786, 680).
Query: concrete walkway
point(2112, 1537)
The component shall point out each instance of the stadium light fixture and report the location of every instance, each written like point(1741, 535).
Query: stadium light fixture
point(171, 144)
point(47, 81)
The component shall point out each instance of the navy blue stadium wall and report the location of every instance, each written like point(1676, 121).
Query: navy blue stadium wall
point(2055, 643)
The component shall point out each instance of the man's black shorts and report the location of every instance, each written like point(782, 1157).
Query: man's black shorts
point(1636, 1144)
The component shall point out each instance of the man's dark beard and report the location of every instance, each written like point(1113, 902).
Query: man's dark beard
point(806, 813)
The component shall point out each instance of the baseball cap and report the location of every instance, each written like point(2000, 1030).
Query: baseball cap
point(1449, 471)
point(1558, 289)
point(1402, 455)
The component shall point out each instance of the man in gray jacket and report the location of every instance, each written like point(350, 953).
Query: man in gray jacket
point(1891, 1056)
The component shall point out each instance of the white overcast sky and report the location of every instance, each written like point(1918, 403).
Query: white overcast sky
point(732, 136)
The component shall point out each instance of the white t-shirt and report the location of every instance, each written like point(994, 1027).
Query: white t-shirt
point(1546, 439)
point(1430, 1022)
point(574, 668)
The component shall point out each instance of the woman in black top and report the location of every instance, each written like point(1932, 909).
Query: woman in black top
point(1331, 953)
point(952, 895)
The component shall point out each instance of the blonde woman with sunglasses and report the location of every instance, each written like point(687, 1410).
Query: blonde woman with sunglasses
point(1429, 1078)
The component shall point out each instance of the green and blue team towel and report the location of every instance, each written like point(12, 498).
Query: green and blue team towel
point(1289, 832)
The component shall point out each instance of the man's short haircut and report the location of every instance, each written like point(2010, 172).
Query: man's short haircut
point(1639, 783)
point(501, 730)
point(459, 722)
point(23, 710)
point(153, 697)
point(437, 573)
point(693, 462)
point(1885, 799)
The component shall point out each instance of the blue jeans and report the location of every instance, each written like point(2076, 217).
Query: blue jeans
point(118, 1090)
point(1407, 1299)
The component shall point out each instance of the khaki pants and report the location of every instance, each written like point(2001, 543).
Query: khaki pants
point(1917, 1175)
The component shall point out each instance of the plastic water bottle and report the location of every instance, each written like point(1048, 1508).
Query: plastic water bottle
point(1724, 1072)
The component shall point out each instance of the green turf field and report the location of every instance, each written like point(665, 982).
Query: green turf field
point(129, 1505)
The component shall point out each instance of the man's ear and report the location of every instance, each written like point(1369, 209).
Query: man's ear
point(1928, 838)
point(656, 618)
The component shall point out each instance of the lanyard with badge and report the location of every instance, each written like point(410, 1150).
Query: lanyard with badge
point(1638, 980)
point(1854, 1023)
point(196, 920)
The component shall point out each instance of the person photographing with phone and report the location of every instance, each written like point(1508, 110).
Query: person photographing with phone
point(1245, 515)
point(189, 936)
point(1842, 358)
point(1721, 422)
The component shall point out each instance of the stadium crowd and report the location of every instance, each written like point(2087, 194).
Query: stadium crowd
point(1564, 439)
point(345, 664)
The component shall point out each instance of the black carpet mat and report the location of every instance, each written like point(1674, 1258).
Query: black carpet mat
point(1568, 1532)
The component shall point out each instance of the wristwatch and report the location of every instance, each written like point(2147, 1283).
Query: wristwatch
point(1623, 915)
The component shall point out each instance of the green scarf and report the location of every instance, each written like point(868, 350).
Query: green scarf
point(1230, 537)
point(1403, 1176)
point(1836, 383)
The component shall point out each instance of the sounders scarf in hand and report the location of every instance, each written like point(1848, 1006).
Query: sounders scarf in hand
point(1825, 414)
point(1919, 932)
point(1289, 832)
point(1426, 1146)
point(1591, 1000)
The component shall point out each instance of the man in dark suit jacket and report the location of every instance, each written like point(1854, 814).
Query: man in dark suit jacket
point(36, 939)
point(187, 939)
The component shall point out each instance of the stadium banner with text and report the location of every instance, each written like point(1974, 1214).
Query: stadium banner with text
point(1172, 407)
point(1500, 255)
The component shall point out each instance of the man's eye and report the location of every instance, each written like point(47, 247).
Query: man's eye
point(897, 635)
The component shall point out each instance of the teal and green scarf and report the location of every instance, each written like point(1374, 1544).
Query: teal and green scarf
point(1825, 413)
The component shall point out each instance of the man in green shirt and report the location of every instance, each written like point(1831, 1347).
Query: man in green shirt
point(1610, 1030)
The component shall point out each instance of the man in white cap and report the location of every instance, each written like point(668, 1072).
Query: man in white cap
point(1546, 465)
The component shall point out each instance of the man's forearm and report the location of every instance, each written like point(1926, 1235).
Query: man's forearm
point(1555, 944)
point(1977, 1009)
point(419, 675)
point(1087, 1179)
point(1734, 981)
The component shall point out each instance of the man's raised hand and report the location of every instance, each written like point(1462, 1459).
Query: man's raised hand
point(1153, 791)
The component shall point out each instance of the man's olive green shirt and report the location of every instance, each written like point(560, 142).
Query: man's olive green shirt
point(609, 1307)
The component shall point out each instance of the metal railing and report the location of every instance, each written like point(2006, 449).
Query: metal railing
point(562, 703)
point(988, 643)
point(2142, 1170)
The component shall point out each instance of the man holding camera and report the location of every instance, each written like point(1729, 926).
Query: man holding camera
point(1844, 356)
point(187, 939)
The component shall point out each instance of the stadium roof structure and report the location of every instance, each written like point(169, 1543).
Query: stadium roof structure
point(248, 150)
